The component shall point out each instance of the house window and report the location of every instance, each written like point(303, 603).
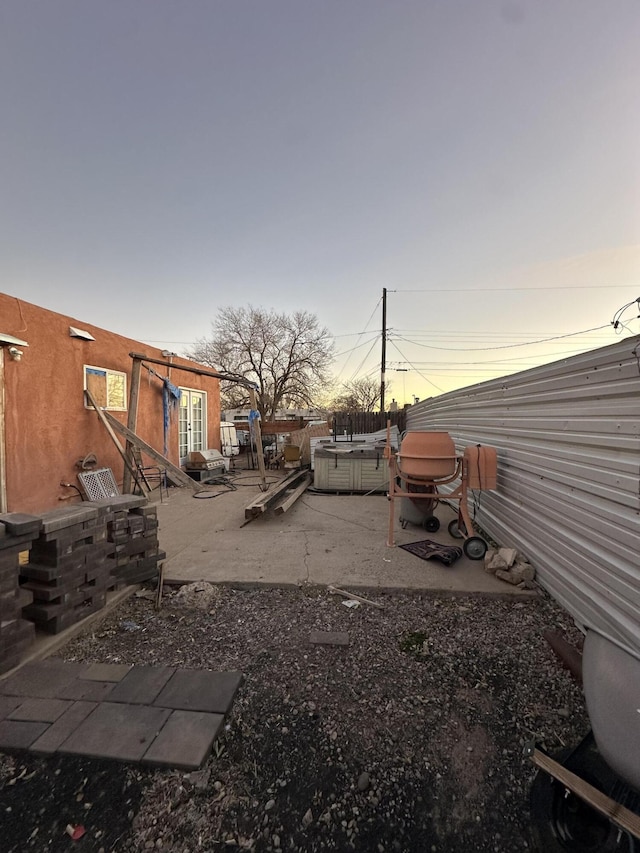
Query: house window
point(107, 387)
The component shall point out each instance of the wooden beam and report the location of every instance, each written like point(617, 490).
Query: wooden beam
point(617, 813)
point(102, 415)
point(200, 371)
point(293, 496)
point(266, 500)
point(132, 419)
point(258, 437)
point(174, 474)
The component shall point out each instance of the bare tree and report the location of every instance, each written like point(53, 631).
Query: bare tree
point(287, 356)
point(359, 395)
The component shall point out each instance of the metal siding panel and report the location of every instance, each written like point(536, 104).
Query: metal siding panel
point(568, 442)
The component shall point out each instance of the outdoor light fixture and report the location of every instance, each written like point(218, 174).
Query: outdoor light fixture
point(167, 354)
point(15, 353)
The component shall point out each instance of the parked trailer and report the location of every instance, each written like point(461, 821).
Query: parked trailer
point(229, 444)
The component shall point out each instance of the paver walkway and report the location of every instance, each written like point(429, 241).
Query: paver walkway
point(148, 714)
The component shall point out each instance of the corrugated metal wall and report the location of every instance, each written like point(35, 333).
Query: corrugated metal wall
point(568, 441)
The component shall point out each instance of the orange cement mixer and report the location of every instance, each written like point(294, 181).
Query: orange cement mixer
point(427, 461)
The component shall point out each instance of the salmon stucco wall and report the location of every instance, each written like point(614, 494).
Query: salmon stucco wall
point(48, 427)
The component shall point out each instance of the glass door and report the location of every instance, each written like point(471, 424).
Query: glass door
point(192, 424)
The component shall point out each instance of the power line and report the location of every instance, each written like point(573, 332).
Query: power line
point(501, 346)
point(426, 378)
point(513, 289)
point(357, 346)
point(523, 360)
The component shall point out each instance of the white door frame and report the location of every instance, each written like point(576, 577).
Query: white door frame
point(191, 393)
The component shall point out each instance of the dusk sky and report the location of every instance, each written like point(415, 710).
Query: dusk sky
point(479, 159)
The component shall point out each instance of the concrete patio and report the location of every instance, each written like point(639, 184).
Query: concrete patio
point(323, 539)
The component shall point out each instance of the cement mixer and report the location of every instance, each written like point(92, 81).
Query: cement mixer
point(427, 461)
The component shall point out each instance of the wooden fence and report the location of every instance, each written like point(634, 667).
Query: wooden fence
point(362, 422)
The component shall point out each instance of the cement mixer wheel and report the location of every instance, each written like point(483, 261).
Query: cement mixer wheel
point(475, 548)
point(454, 529)
point(431, 524)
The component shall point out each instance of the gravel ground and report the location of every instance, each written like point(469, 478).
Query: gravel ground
point(408, 739)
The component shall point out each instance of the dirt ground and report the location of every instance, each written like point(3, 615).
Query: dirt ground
point(408, 739)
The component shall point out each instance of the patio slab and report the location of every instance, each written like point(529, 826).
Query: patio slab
point(142, 685)
point(119, 731)
point(19, 734)
point(194, 690)
point(106, 672)
point(173, 715)
point(79, 688)
point(44, 679)
point(64, 726)
point(185, 740)
point(40, 710)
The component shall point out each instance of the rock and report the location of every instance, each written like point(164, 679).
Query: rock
point(307, 818)
point(509, 555)
point(200, 779)
point(269, 805)
point(496, 564)
point(201, 595)
point(506, 576)
point(522, 572)
point(363, 781)
point(491, 552)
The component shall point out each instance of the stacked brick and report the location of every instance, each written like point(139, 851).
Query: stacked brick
point(132, 534)
point(17, 531)
point(76, 555)
point(68, 570)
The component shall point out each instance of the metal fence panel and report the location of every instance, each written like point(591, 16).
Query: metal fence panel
point(567, 436)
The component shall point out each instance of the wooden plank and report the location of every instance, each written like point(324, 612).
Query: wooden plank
point(102, 415)
point(352, 595)
point(174, 474)
point(258, 437)
point(617, 813)
point(132, 419)
point(293, 496)
point(267, 499)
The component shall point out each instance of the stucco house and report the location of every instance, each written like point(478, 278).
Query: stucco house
point(47, 426)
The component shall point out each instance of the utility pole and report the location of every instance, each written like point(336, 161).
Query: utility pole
point(384, 353)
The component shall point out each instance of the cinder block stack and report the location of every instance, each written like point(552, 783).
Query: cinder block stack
point(134, 539)
point(17, 531)
point(68, 571)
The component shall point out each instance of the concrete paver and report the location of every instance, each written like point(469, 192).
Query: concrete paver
point(43, 679)
point(8, 704)
point(56, 734)
point(40, 710)
point(115, 730)
point(186, 706)
point(106, 672)
point(142, 685)
point(196, 690)
point(19, 734)
point(94, 691)
point(329, 638)
point(185, 740)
